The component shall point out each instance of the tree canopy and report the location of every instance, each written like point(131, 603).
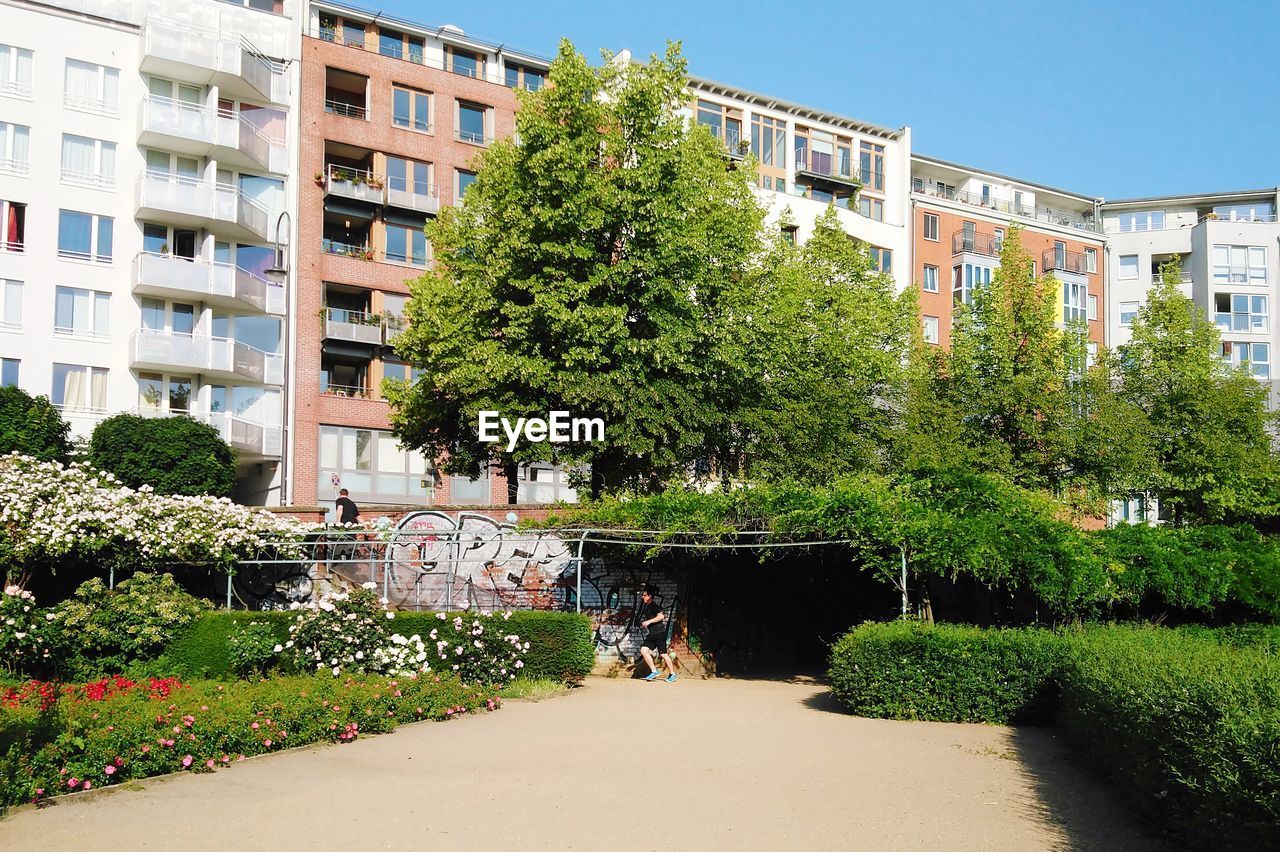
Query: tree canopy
point(32, 426)
point(173, 455)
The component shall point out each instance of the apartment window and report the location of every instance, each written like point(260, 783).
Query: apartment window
point(769, 145)
point(472, 119)
point(10, 305)
point(1239, 265)
point(521, 77)
point(83, 313)
point(15, 148)
point(930, 283)
point(88, 162)
point(881, 259)
point(871, 165)
point(1150, 220)
point(346, 93)
point(353, 33)
point(95, 88)
point(406, 243)
point(1256, 355)
point(9, 372)
point(1090, 260)
point(1128, 312)
point(13, 226)
point(15, 71)
point(931, 227)
point(1093, 308)
point(789, 233)
point(965, 279)
point(1074, 302)
point(76, 387)
point(411, 108)
point(930, 329)
point(173, 393)
point(408, 177)
point(465, 179)
point(1090, 353)
point(371, 463)
point(401, 46)
point(1128, 266)
point(84, 236)
point(1258, 211)
point(1017, 201)
point(465, 62)
point(1240, 312)
point(872, 208)
point(724, 123)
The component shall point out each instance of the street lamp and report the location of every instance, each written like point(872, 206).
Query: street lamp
point(278, 273)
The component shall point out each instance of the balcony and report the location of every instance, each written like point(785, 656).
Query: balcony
point(203, 131)
point(352, 326)
point(971, 242)
point(1055, 260)
point(1039, 214)
point(413, 195)
point(252, 440)
point(214, 357)
point(354, 184)
point(195, 203)
point(822, 166)
point(184, 51)
point(218, 284)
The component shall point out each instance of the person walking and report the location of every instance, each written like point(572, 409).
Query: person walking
point(348, 511)
point(654, 620)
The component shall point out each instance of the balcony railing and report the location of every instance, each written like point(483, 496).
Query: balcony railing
point(990, 202)
point(98, 105)
point(972, 242)
point(353, 326)
point(16, 246)
point(14, 89)
point(249, 437)
point(216, 283)
point(221, 56)
point(345, 108)
point(417, 196)
point(355, 184)
point(471, 136)
point(185, 200)
point(359, 252)
point(1252, 218)
point(212, 356)
point(347, 391)
point(1184, 277)
point(1056, 260)
point(831, 166)
point(92, 180)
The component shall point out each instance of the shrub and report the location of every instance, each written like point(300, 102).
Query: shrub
point(1188, 723)
point(26, 633)
point(251, 648)
point(174, 455)
point(907, 670)
point(340, 631)
point(203, 649)
point(103, 630)
point(32, 426)
point(560, 644)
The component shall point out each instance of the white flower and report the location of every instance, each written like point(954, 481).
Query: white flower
point(369, 585)
point(390, 615)
point(279, 648)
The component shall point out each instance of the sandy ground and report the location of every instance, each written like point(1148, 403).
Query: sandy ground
point(623, 764)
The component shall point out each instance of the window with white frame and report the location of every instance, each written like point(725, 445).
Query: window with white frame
point(1128, 266)
point(472, 123)
point(1128, 312)
point(1074, 302)
point(1239, 265)
point(82, 313)
point(15, 148)
point(881, 259)
point(160, 392)
point(1090, 353)
point(1090, 260)
point(1148, 220)
point(1240, 312)
point(15, 71)
point(92, 87)
point(77, 387)
point(966, 279)
point(872, 208)
point(930, 329)
point(10, 305)
point(1093, 308)
point(9, 368)
point(411, 108)
point(931, 227)
point(88, 162)
point(1256, 355)
point(544, 483)
point(372, 464)
point(85, 236)
point(930, 282)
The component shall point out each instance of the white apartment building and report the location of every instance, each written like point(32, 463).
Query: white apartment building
point(810, 159)
point(1229, 247)
point(147, 149)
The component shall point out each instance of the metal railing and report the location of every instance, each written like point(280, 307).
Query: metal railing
point(976, 243)
point(15, 89)
point(15, 167)
point(1253, 218)
point(345, 108)
point(86, 256)
point(16, 246)
point(89, 179)
point(827, 165)
point(96, 105)
point(472, 137)
point(359, 252)
point(1064, 261)
point(346, 391)
point(990, 202)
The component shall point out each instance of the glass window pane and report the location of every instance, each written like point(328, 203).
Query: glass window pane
point(363, 449)
point(400, 107)
point(74, 233)
point(105, 228)
point(390, 455)
point(328, 447)
point(101, 313)
point(184, 319)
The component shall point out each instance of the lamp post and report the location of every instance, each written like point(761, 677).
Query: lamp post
point(279, 274)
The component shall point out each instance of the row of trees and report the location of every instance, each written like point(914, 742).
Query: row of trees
point(616, 264)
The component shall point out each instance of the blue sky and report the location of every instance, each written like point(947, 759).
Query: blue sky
point(1121, 99)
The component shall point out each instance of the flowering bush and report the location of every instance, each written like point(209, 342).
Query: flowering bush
point(340, 631)
point(26, 632)
point(475, 648)
point(78, 743)
point(105, 629)
point(252, 648)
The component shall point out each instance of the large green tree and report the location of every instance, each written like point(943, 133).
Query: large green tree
point(32, 426)
point(1212, 453)
point(594, 266)
point(173, 455)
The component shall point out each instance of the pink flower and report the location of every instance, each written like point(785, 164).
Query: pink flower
point(204, 707)
point(209, 763)
point(86, 785)
point(186, 761)
point(146, 748)
point(109, 769)
point(254, 726)
point(73, 782)
point(226, 758)
point(267, 743)
point(111, 727)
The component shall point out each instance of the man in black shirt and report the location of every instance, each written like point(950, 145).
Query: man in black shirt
point(348, 511)
point(654, 620)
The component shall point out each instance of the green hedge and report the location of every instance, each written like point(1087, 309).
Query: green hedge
point(907, 670)
point(1186, 720)
point(560, 644)
point(1190, 723)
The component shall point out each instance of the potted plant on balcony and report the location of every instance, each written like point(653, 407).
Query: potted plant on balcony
point(366, 254)
point(319, 178)
point(375, 182)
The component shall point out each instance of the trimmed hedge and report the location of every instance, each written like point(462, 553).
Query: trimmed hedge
point(1190, 723)
point(908, 670)
point(1186, 720)
point(560, 644)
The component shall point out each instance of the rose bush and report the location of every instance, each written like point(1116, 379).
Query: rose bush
point(27, 633)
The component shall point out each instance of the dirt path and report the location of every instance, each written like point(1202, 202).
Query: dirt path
point(624, 765)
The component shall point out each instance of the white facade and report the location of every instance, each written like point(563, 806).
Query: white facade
point(147, 151)
point(820, 160)
point(1229, 247)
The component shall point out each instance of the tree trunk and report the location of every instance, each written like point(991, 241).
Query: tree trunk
point(512, 472)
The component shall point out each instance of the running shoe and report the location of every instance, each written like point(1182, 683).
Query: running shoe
point(652, 676)
point(671, 678)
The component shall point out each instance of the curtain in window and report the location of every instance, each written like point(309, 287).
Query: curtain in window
point(21, 144)
point(98, 390)
point(82, 82)
point(13, 303)
point(73, 387)
point(111, 88)
point(107, 165)
point(77, 155)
